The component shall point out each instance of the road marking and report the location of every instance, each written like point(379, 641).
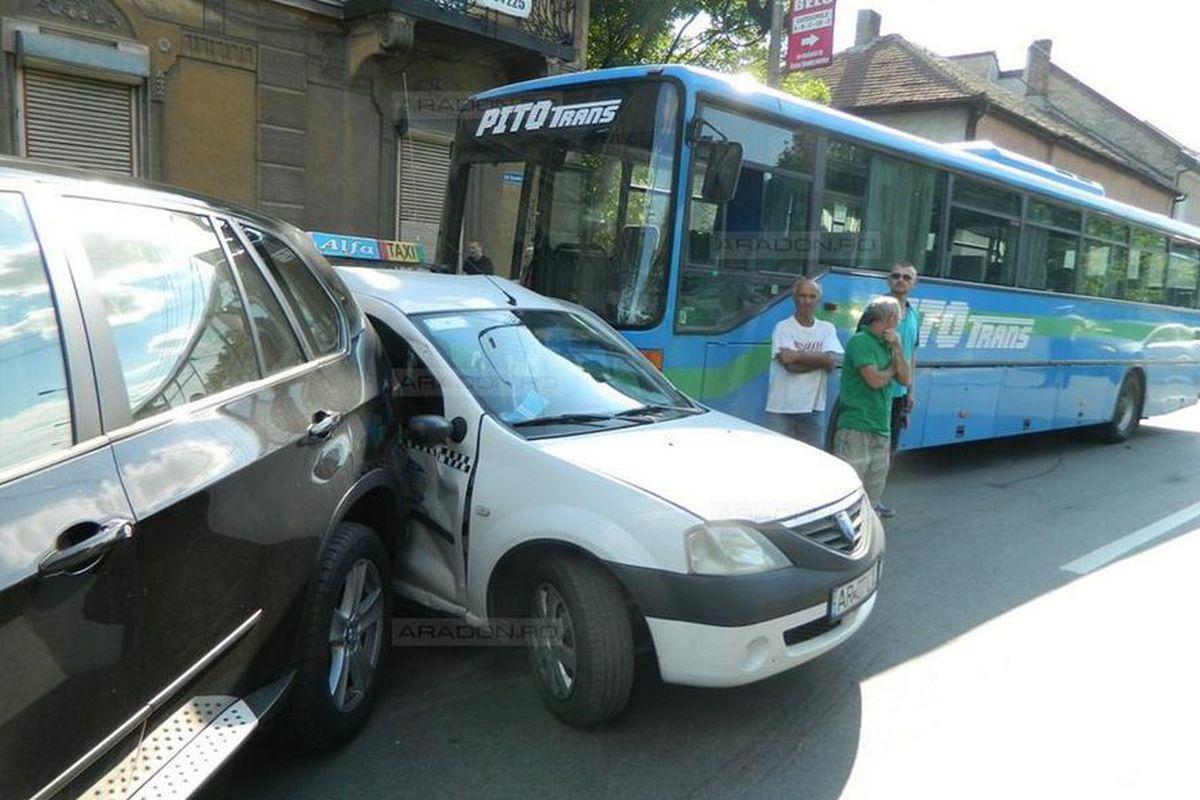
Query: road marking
point(1114, 550)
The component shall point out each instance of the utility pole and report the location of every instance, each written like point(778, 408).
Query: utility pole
point(775, 48)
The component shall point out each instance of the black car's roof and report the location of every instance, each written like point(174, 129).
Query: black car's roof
point(23, 169)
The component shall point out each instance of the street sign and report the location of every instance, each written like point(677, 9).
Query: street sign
point(810, 34)
point(513, 8)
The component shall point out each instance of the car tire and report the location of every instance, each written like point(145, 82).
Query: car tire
point(585, 678)
point(1127, 413)
point(344, 638)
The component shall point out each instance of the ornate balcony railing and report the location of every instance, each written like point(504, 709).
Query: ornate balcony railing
point(549, 28)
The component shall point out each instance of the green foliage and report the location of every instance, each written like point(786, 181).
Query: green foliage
point(794, 83)
point(725, 35)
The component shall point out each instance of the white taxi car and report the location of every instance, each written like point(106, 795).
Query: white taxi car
point(557, 478)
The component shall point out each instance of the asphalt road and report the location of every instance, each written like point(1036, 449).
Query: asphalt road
point(987, 669)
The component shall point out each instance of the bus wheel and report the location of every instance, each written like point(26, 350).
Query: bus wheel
point(1127, 414)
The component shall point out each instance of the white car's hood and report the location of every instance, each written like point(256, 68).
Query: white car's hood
point(714, 466)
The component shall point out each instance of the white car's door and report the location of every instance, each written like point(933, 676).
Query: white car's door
point(430, 564)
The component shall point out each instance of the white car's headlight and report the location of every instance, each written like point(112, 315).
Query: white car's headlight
point(731, 548)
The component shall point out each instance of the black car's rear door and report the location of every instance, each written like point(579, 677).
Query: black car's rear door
point(73, 691)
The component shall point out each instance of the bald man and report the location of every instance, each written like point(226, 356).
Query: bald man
point(804, 351)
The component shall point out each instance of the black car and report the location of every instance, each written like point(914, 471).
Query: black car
point(194, 487)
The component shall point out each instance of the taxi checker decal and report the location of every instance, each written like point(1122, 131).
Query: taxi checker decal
point(545, 114)
point(451, 458)
point(945, 324)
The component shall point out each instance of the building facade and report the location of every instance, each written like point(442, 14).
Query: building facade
point(333, 115)
point(1040, 111)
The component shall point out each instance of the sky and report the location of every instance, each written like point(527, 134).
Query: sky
point(1141, 55)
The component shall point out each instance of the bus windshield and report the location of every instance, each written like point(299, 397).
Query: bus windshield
point(569, 192)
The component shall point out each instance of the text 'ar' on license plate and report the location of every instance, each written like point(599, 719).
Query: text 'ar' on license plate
point(849, 595)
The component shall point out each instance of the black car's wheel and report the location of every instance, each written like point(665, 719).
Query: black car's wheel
point(343, 642)
point(582, 657)
point(1127, 414)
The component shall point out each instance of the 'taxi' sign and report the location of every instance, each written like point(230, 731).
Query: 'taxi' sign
point(810, 33)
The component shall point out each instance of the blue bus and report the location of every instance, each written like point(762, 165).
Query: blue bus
point(681, 205)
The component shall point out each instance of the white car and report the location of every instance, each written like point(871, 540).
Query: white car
point(556, 476)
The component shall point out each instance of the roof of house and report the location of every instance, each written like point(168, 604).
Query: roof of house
point(892, 71)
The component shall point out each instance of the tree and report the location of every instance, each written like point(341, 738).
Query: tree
point(725, 35)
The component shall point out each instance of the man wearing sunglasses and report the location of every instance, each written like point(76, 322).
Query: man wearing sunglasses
point(901, 281)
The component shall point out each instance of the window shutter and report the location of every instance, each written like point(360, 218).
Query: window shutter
point(79, 122)
point(423, 170)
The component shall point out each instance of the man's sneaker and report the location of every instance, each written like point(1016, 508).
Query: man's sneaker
point(883, 511)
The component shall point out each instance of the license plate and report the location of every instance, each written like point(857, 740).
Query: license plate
point(850, 595)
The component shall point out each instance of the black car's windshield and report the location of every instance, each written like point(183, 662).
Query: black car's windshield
point(569, 192)
point(538, 367)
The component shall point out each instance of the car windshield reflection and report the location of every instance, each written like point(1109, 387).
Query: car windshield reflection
point(537, 367)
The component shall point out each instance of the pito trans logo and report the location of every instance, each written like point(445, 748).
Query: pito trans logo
point(546, 115)
point(948, 324)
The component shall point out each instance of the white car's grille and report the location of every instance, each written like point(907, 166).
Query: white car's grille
point(840, 530)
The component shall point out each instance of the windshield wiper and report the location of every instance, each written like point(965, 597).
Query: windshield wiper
point(564, 419)
point(657, 409)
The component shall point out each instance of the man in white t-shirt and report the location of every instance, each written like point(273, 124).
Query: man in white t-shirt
point(804, 351)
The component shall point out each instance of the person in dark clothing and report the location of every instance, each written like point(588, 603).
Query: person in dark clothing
point(477, 262)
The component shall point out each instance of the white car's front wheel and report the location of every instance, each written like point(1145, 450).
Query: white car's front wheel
point(582, 654)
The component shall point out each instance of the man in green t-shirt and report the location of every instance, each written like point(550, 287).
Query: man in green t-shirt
point(864, 422)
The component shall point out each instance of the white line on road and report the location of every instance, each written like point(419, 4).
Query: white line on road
point(1114, 550)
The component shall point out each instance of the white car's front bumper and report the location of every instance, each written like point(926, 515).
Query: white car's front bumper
point(711, 655)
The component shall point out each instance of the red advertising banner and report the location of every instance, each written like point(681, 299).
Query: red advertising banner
point(810, 33)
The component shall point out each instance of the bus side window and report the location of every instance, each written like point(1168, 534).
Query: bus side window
point(1181, 275)
point(1146, 273)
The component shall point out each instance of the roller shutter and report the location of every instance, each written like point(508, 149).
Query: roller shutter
point(424, 166)
point(79, 122)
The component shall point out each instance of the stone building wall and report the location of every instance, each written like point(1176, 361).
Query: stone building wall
point(293, 112)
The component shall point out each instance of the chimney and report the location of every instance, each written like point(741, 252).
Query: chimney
point(868, 27)
point(1037, 68)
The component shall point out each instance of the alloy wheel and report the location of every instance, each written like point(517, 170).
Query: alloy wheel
point(554, 644)
point(355, 635)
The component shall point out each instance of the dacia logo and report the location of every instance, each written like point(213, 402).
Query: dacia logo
point(846, 526)
point(544, 114)
point(946, 324)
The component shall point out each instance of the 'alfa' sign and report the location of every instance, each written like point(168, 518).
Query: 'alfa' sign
point(513, 8)
point(810, 33)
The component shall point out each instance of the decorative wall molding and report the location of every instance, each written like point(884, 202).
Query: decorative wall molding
point(218, 50)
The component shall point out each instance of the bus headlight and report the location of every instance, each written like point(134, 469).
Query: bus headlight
point(731, 548)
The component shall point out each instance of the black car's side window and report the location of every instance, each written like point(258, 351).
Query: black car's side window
point(276, 339)
point(303, 291)
point(177, 319)
point(35, 412)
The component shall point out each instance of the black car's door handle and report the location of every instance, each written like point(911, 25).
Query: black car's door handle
point(322, 425)
point(85, 554)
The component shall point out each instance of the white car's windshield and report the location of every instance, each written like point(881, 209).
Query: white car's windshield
point(536, 367)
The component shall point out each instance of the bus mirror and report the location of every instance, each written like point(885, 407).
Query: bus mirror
point(722, 172)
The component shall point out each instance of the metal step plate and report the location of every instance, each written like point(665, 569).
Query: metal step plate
point(202, 756)
point(181, 753)
point(163, 743)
